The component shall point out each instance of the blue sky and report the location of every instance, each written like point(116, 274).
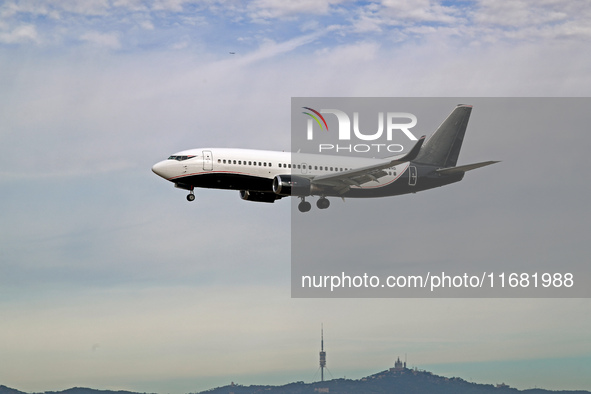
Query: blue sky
point(110, 279)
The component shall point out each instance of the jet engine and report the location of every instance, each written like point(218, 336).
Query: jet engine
point(258, 196)
point(291, 185)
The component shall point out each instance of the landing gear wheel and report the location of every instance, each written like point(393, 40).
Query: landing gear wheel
point(190, 197)
point(304, 206)
point(322, 203)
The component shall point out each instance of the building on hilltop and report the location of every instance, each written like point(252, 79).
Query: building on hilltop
point(398, 366)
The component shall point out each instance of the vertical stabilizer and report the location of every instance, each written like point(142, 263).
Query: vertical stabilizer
point(443, 147)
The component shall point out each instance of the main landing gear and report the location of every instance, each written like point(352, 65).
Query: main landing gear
point(305, 206)
point(322, 203)
point(191, 196)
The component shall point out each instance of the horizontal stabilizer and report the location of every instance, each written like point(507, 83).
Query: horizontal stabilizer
point(467, 167)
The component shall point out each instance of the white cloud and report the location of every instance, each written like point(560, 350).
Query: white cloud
point(271, 9)
point(517, 13)
point(88, 7)
point(419, 11)
point(146, 24)
point(132, 5)
point(169, 5)
point(21, 34)
point(397, 21)
point(367, 23)
point(104, 40)
point(397, 16)
point(525, 19)
point(180, 45)
point(35, 7)
point(347, 55)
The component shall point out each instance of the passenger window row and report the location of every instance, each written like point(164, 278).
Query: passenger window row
point(310, 167)
point(281, 165)
point(244, 162)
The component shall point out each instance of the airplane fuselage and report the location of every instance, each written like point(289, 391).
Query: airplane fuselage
point(255, 170)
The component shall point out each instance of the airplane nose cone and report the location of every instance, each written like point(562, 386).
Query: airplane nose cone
point(158, 168)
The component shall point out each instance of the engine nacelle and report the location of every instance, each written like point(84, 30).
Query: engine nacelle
point(291, 185)
point(258, 196)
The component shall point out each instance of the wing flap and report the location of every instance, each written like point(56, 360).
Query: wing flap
point(359, 176)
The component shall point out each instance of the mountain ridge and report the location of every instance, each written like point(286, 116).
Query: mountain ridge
point(395, 380)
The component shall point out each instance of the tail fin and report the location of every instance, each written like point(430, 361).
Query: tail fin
point(443, 147)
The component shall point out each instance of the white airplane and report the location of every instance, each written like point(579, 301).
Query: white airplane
point(266, 176)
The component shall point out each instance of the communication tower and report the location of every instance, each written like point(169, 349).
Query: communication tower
point(322, 354)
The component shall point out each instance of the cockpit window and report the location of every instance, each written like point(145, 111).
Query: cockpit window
point(180, 158)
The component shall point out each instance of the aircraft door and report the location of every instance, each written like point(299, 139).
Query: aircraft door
point(207, 160)
point(304, 168)
point(412, 175)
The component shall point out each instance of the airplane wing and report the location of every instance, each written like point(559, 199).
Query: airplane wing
point(467, 167)
point(342, 181)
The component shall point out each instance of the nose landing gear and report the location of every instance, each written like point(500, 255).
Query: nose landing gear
point(191, 195)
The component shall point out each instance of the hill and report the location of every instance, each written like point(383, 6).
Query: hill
point(404, 381)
